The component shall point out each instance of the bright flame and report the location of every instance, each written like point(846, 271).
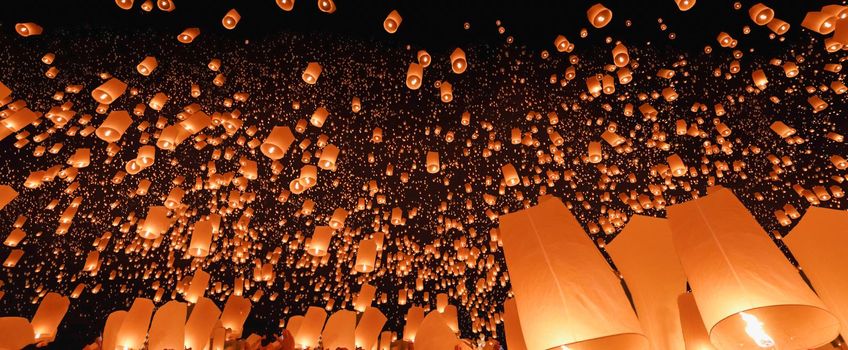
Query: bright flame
point(563, 347)
point(755, 330)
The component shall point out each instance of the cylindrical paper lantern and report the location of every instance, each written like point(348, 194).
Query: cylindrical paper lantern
point(819, 22)
point(15, 333)
point(320, 241)
point(310, 328)
point(231, 19)
point(109, 91)
point(595, 152)
point(201, 238)
point(761, 14)
point(510, 175)
point(327, 6)
point(199, 283)
point(339, 331)
point(188, 35)
point(319, 117)
point(114, 126)
point(458, 62)
point(685, 5)
point(392, 21)
point(28, 29)
point(285, 5)
point(433, 162)
point(423, 58)
point(446, 92)
point(133, 331)
point(365, 256)
point(312, 71)
point(235, 313)
point(695, 336)
point(277, 143)
point(734, 270)
point(620, 56)
point(599, 16)
point(338, 218)
point(414, 76)
point(124, 4)
point(167, 330)
point(328, 157)
point(201, 322)
point(147, 66)
point(50, 313)
point(368, 328)
point(166, 5)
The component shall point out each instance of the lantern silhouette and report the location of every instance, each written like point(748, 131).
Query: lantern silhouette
point(235, 313)
point(458, 62)
point(694, 334)
point(760, 80)
point(599, 16)
point(510, 175)
point(147, 65)
point(114, 126)
point(392, 22)
point(167, 330)
point(28, 29)
point(368, 328)
point(231, 19)
point(734, 268)
point(365, 256)
point(364, 297)
point(595, 152)
point(308, 332)
point(339, 331)
point(761, 14)
point(132, 332)
point(313, 70)
point(109, 91)
point(328, 157)
point(156, 223)
point(446, 92)
point(277, 143)
point(200, 323)
point(564, 300)
point(414, 76)
point(414, 316)
point(188, 35)
point(166, 5)
point(15, 333)
point(285, 5)
point(338, 218)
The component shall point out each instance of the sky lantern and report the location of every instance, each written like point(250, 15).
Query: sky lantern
point(414, 76)
point(368, 328)
point(201, 238)
point(278, 142)
point(392, 22)
point(685, 5)
point(327, 6)
point(133, 330)
point(446, 92)
point(15, 333)
point(599, 16)
point(339, 331)
point(231, 19)
point(620, 56)
point(365, 255)
point(433, 162)
point(458, 62)
point(329, 154)
point(124, 4)
point(562, 44)
point(114, 126)
point(201, 321)
point(188, 35)
point(718, 242)
point(109, 91)
point(28, 29)
point(820, 22)
point(235, 313)
point(147, 65)
point(285, 5)
point(760, 14)
point(319, 117)
point(320, 242)
point(49, 315)
point(423, 58)
point(312, 71)
point(167, 330)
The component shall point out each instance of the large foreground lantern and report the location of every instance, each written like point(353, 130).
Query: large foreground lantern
point(28, 29)
point(50, 313)
point(569, 300)
point(748, 294)
point(645, 256)
point(818, 243)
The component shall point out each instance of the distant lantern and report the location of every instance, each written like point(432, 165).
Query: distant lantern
point(114, 126)
point(599, 16)
point(285, 5)
point(188, 35)
point(277, 143)
point(433, 162)
point(201, 238)
point(328, 157)
point(595, 152)
point(510, 175)
point(109, 91)
point(365, 256)
point(819, 22)
point(165, 5)
point(761, 14)
point(446, 92)
point(320, 242)
point(312, 71)
point(392, 22)
point(790, 69)
point(414, 76)
point(355, 105)
point(231, 19)
point(685, 5)
point(777, 26)
point(28, 29)
point(319, 117)
point(620, 56)
point(327, 6)
point(147, 65)
point(124, 4)
point(423, 58)
point(562, 44)
point(458, 61)
point(718, 240)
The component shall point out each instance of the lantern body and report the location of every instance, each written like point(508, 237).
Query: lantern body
point(365, 256)
point(133, 331)
point(329, 154)
point(685, 5)
point(734, 270)
point(235, 313)
point(368, 328)
point(201, 238)
point(310, 327)
point(761, 14)
point(200, 323)
point(49, 315)
point(167, 328)
point(312, 71)
point(414, 76)
point(433, 162)
point(423, 58)
point(392, 22)
point(446, 92)
point(285, 5)
point(28, 29)
point(339, 330)
point(620, 56)
point(231, 19)
point(114, 126)
point(188, 35)
point(277, 143)
point(458, 61)
point(320, 241)
point(147, 65)
point(695, 336)
point(564, 299)
point(599, 16)
point(109, 91)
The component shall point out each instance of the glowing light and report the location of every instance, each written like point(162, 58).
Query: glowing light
point(755, 330)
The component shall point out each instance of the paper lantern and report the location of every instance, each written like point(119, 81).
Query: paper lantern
point(28, 29)
point(819, 22)
point(328, 157)
point(433, 162)
point(285, 5)
point(620, 56)
point(510, 175)
point(446, 92)
point(147, 66)
point(15, 333)
point(49, 315)
point(777, 26)
point(124, 4)
point(364, 297)
point(156, 223)
point(81, 158)
point(434, 334)
point(201, 322)
point(573, 299)
point(320, 241)
point(277, 143)
point(734, 268)
point(14, 237)
point(368, 328)
point(760, 80)
point(114, 126)
point(392, 22)
point(201, 239)
point(13, 258)
point(235, 313)
point(644, 254)
point(562, 44)
point(695, 336)
point(355, 105)
point(685, 5)
point(365, 256)
point(414, 76)
point(158, 101)
point(327, 6)
point(817, 242)
point(188, 35)
point(319, 117)
point(109, 91)
point(761, 14)
point(133, 331)
point(599, 16)
point(512, 326)
point(309, 175)
point(414, 316)
point(167, 330)
point(312, 71)
point(458, 62)
point(339, 331)
point(423, 58)
point(676, 164)
point(199, 283)
point(231, 19)
point(175, 198)
point(7, 195)
point(310, 328)
point(166, 5)
point(595, 152)
point(337, 220)
point(110, 330)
